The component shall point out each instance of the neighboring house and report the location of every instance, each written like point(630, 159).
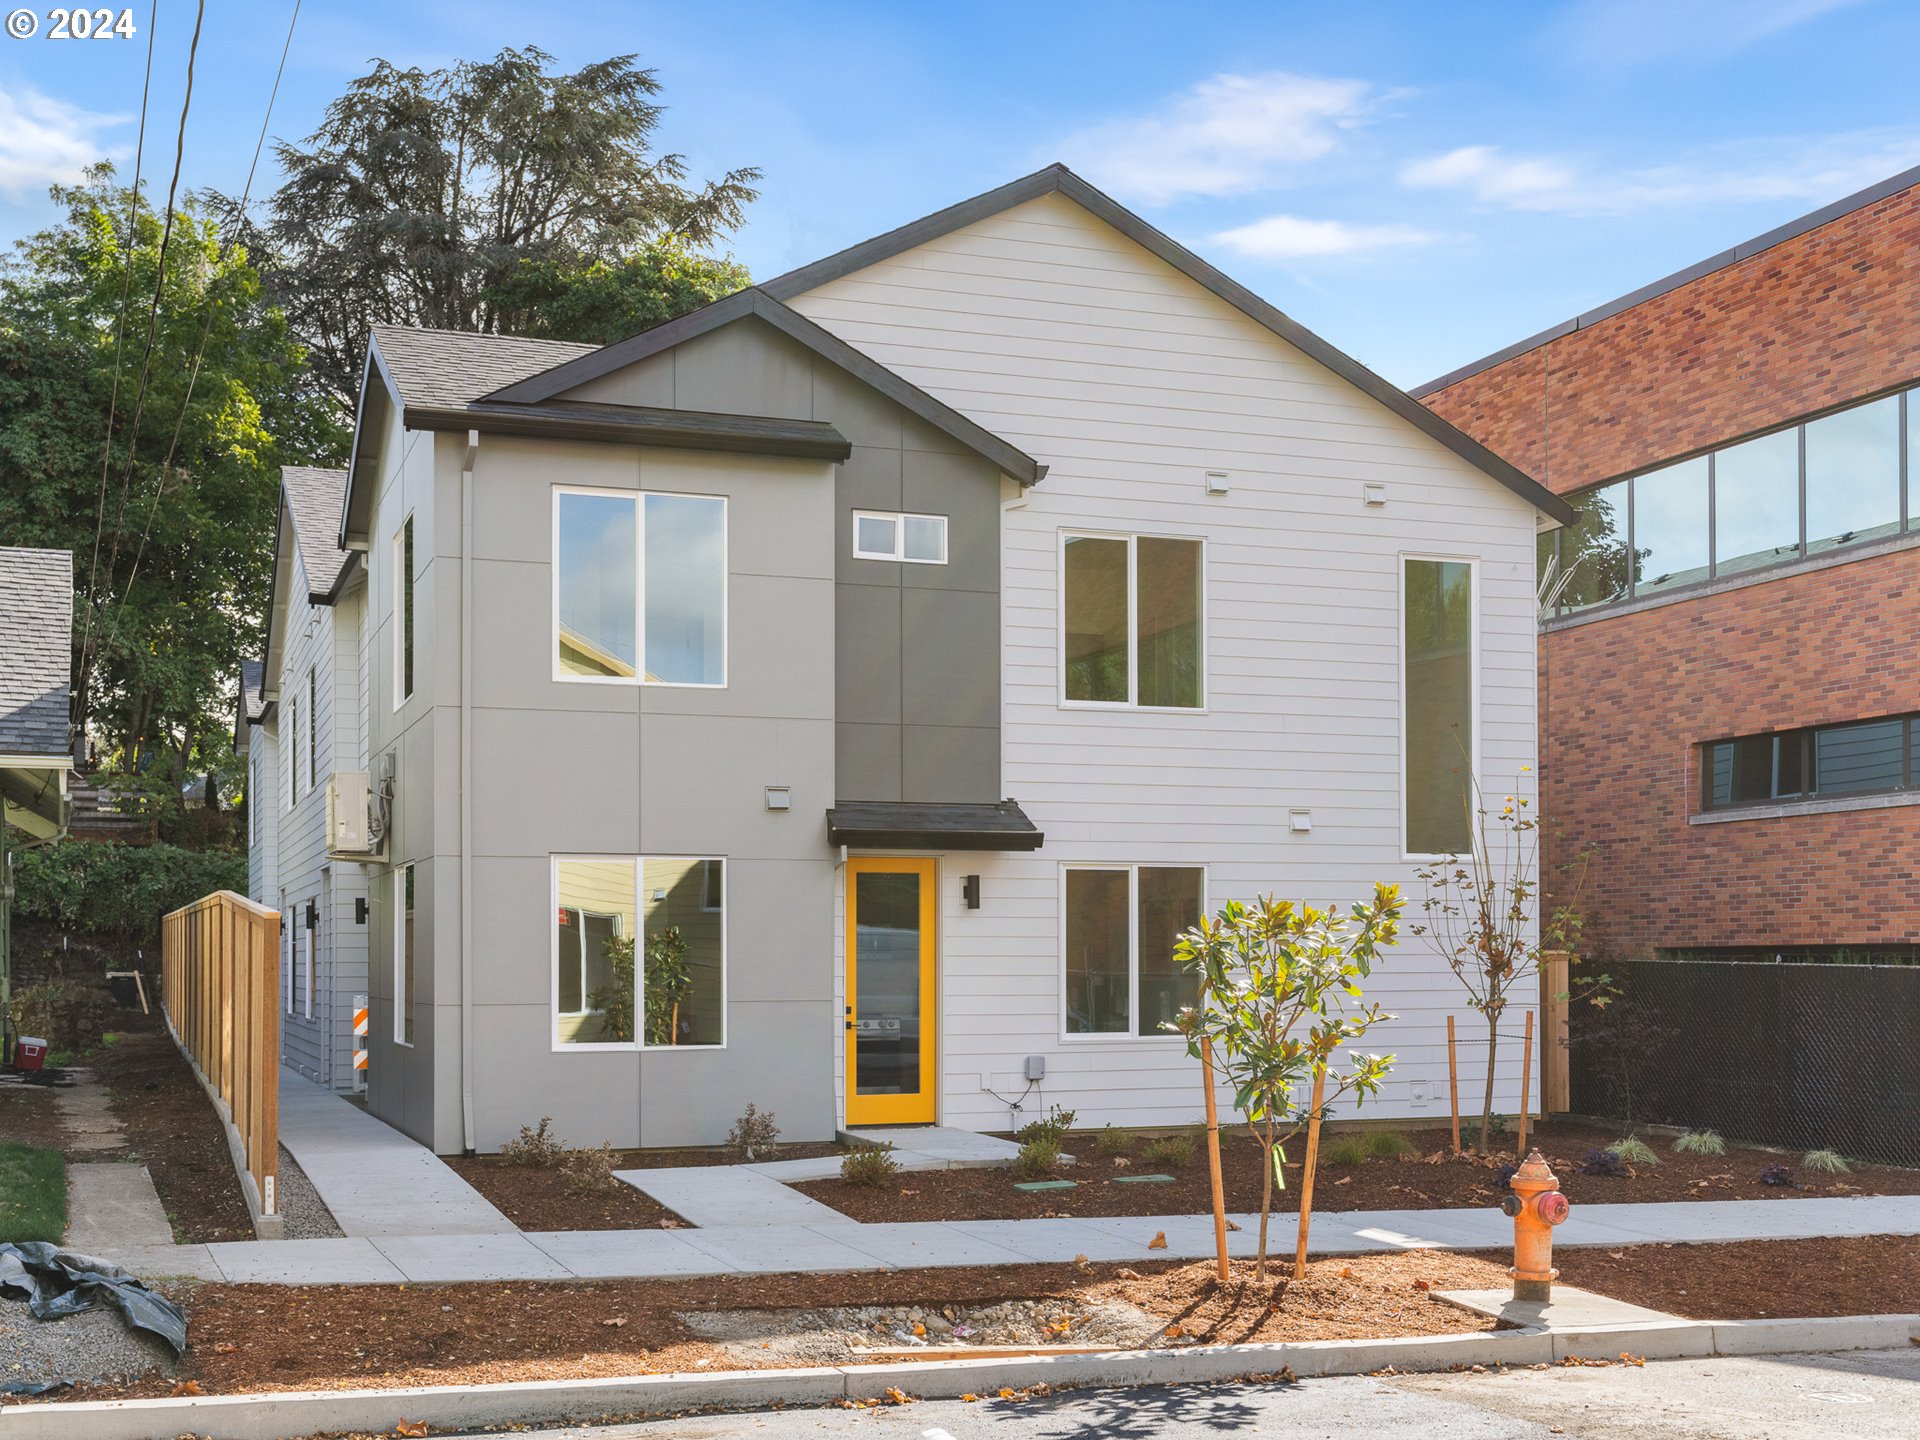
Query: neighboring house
point(36, 649)
point(1731, 761)
point(700, 674)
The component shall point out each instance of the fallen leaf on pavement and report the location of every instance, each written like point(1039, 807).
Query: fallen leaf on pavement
point(1159, 1241)
point(189, 1387)
point(411, 1428)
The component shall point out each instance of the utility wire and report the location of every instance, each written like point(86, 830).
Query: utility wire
point(213, 309)
point(119, 332)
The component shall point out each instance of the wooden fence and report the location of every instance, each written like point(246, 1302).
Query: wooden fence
point(220, 986)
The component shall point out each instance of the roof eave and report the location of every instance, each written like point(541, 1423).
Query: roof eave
point(679, 430)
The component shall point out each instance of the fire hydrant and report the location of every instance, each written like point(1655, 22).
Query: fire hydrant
point(1536, 1206)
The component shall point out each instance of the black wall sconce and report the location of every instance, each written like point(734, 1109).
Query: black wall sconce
point(359, 909)
point(970, 891)
point(313, 916)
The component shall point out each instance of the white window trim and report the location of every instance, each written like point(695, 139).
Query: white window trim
point(706, 874)
point(1132, 870)
point(1133, 624)
point(635, 1046)
point(400, 873)
point(1472, 562)
point(639, 677)
point(899, 553)
point(311, 932)
point(402, 693)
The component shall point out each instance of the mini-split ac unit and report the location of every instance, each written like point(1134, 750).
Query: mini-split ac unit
point(353, 828)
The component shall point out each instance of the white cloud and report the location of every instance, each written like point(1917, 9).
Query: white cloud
point(1636, 31)
point(1225, 136)
point(1817, 170)
point(1292, 237)
point(44, 141)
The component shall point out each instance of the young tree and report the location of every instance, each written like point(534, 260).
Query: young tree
point(182, 505)
point(1275, 979)
point(425, 194)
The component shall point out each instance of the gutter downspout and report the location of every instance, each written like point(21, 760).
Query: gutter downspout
point(466, 792)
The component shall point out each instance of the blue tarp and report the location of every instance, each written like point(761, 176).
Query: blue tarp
point(58, 1283)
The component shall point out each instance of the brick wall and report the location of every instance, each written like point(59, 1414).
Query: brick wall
point(1815, 321)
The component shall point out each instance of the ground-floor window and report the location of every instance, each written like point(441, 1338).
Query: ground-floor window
point(303, 974)
point(403, 967)
point(1118, 927)
point(639, 951)
point(286, 955)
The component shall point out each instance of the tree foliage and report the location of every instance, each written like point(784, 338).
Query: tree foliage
point(603, 301)
point(1275, 982)
point(184, 543)
point(107, 888)
point(468, 197)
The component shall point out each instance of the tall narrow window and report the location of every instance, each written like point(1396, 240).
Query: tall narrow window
point(1437, 667)
point(1120, 923)
point(403, 614)
point(253, 801)
point(1131, 622)
point(293, 749)
point(640, 588)
point(595, 980)
point(403, 955)
point(309, 921)
point(313, 727)
point(287, 943)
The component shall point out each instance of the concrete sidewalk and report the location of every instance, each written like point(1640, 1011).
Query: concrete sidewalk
point(919, 1245)
point(376, 1181)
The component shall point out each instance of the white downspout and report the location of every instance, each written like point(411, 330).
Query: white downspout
point(466, 793)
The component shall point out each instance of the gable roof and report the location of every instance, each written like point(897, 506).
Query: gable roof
point(1057, 179)
point(36, 644)
point(314, 498)
point(1700, 269)
point(455, 367)
point(755, 301)
point(249, 707)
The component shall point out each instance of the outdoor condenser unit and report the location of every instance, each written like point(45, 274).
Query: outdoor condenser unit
point(350, 815)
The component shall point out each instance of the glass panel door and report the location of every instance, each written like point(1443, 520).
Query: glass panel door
point(890, 991)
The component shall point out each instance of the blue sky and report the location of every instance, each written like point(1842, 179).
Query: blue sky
point(1418, 183)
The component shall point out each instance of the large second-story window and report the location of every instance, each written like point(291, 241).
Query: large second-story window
point(1799, 493)
point(1437, 681)
point(640, 587)
point(1861, 757)
point(403, 614)
point(1132, 621)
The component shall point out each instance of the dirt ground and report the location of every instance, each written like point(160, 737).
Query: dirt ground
point(1757, 1279)
point(173, 1130)
point(27, 1115)
point(1429, 1178)
point(539, 1199)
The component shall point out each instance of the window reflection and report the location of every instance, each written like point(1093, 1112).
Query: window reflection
point(1169, 622)
point(1757, 495)
point(597, 585)
point(1096, 958)
point(594, 979)
point(1593, 553)
point(682, 969)
point(686, 589)
point(1670, 522)
point(1096, 622)
point(1853, 475)
point(1438, 676)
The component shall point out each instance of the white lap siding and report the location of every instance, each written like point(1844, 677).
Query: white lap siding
point(1131, 382)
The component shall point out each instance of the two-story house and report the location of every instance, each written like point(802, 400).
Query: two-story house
point(837, 698)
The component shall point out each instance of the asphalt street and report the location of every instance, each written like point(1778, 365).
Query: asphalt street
point(1863, 1395)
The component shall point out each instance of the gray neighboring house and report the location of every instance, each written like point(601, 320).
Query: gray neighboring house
point(666, 702)
point(36, 651)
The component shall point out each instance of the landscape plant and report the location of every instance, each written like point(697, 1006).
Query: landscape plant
point(1387, 1144)
point(754, 1133)
point(1169, 1152)
point(1603, 1161)
point(1481, 912)
point(589, 1171)
point(1701, 1142)
point(870, 1166)
point(1345, 1150)
point(1635, 1151)
point(1053, 1126)
point(1114, 1141)
point(1038, 1158)
point(1279, 995)
point(536, 1147)
point(1778, 1175)
point(1827, 1162)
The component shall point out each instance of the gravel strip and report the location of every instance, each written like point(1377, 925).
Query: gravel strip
point(93, 1345)
point(305, 1213)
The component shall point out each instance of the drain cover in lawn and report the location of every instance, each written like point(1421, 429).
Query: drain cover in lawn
point(1143, 1179)
point(1044, 1184)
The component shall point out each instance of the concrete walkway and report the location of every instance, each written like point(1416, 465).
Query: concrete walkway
point(846, 1245)
point(375, 1180)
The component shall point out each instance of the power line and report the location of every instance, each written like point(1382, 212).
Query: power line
point(119, 332)
point(206, 330)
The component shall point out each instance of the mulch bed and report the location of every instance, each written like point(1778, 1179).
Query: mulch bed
point(27, 1115)
point(722, 1155)
point(173, 1130)
point(1757, 1279)
point(539, 1199)
point(1428, 1179)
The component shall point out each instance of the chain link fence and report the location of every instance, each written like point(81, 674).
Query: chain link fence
point(1802, 1056)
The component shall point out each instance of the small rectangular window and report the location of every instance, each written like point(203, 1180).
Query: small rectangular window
point(640, 588)
point(1438, 669)
point(1120, 924)
point(1863, 757)
point(1132, 623)
point(403, 955)
point(885, 535)
point(403, 617)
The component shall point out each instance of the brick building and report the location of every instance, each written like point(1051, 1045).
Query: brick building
point(1728, 674)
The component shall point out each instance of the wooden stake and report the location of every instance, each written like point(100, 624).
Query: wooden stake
point(1306, 1177)
point(1213, 1163)
point(1453, 1085)
point(1526, 1076)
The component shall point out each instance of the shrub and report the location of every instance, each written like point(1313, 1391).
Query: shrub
point(124, 889)
point(1827, 1162)
point(1114, 1142)
point(536, 1147)
point(1345, 1150)
point(1701, 1142)
point(1169, 1152)
point(1635, 1151)
point(1388, 1144)
point(1603, 1162)
point(1777, 1175)
point(589, 1172)
point(1054, 1126)
point(1038, 1158)
point(1503, 1177)
point(67, 1014)
point(753, 1133)
point(871, 1166)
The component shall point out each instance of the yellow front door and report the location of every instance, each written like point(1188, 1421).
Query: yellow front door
point(891, 991)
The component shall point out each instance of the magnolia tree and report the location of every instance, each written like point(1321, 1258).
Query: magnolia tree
point(1279, 995)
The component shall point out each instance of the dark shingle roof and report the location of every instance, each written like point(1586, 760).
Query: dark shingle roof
point(315, 497)
point(36, 643)
point(908, 824)
point(252, 673)
point(455, 367)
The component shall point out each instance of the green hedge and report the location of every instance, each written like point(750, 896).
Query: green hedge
point(122, 889)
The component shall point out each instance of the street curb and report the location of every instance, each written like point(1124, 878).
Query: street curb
point(454, 1407)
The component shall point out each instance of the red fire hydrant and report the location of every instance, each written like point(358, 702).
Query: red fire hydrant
point(1536, 1206)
